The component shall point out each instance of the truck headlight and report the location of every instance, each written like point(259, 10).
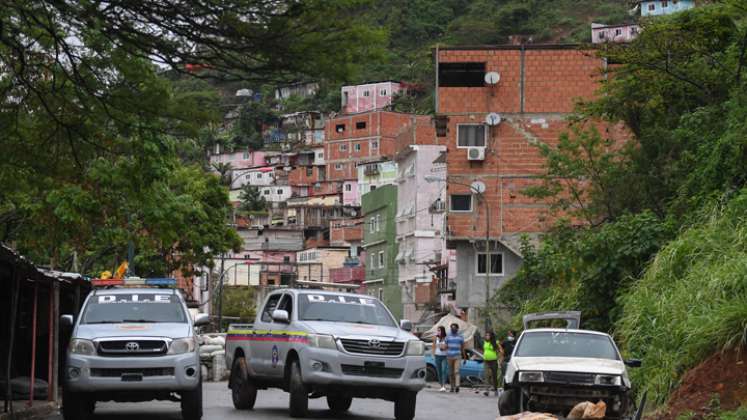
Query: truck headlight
point(322, 341)
point(415, 348)
point(613, 380)
point(182, 345)
point(531, 377)
point(81, 346)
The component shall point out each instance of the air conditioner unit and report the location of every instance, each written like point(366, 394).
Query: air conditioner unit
point(475, 153)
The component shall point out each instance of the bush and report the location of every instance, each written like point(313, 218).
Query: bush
point(691, 302)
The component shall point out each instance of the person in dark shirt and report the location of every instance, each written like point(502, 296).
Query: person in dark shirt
point(507, 347)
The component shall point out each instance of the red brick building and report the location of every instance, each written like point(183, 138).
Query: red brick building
point(367, 137)
point(530, 90)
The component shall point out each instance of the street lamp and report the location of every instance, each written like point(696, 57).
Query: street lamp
point(478, 189)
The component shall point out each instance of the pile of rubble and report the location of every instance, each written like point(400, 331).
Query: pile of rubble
point(583, 411)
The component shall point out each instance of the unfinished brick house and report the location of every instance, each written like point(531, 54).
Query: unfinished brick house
point(493, 105)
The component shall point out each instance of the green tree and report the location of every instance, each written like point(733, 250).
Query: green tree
point(239, 302)
point(252, 201)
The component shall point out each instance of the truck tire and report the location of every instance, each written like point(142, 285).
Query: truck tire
point(431, 375)
point(339, 404)
point(77, 405)
point(404, 405)
point(192, 403)
point(299, 395)
point(507, 403)
point(243, 391)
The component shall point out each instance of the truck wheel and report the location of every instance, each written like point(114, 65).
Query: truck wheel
point(404, 405)
point(507, 405)
point(339, 404)
point(192, 403)
point(430, 374)
point(299, 396)
point(243, 391)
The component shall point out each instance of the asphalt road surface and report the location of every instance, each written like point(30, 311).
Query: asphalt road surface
point(273, 404)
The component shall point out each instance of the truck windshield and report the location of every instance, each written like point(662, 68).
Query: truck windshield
point(566, 344)
point(136, 307)
point(342, 308)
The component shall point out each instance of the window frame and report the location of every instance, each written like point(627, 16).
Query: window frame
point(357, 147)
point(372, 224)
point(360, 125)
point(374, 145)
point(382, 260)
point(471, 203)
point(265, 312)
point(484, 138)
point(338, 166)
point(462, 74)
point(342, 147)
point(477, 264)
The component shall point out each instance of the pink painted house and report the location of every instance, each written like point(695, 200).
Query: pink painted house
point(601, 33)
point(369, 96)
point(239, 159)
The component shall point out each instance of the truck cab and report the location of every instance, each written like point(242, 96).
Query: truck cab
point(314, 344)
point(132, 344)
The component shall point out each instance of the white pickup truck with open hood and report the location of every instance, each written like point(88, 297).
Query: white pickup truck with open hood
point(553, 369)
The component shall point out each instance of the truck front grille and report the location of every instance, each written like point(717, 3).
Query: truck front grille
point(128, 348)
point(569, 378)
point(376, 372)
point(117, 372)
point(373, 347)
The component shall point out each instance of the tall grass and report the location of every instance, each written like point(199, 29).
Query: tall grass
point(691, 302)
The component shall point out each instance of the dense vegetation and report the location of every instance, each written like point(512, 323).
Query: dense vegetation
point(659, 259)
point(103, 141)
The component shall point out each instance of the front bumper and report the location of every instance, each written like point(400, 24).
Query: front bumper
point(562, 398)
point(333, 368)
point(159, 373)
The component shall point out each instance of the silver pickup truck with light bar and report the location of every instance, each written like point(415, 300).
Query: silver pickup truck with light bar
point(553, 369)
point(316, 344)
point(132, 345)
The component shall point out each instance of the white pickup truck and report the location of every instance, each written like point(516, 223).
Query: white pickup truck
point(314, 344)
point(553, 369)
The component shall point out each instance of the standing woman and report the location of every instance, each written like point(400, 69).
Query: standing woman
point(439, 354)
point(490, 350)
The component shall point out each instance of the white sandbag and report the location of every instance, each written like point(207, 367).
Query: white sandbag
point(209, 349)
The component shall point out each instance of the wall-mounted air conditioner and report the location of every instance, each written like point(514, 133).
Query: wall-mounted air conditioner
point(476, 153)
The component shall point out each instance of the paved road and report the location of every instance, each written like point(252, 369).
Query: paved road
point(273, 404)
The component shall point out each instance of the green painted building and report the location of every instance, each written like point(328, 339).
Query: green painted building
point(379, 240)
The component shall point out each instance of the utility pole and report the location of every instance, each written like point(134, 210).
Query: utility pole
point(220, 291)
point(488, 259)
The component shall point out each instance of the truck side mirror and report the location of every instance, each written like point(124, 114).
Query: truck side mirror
point(634, 363)
point(66, 321)
point(406, 325)
point(280, 315)
point(201, 319)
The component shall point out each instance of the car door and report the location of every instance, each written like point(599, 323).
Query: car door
point(262, 340)
point(282, 335)
point(473, 366)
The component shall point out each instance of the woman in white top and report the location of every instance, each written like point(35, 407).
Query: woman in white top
point(439, 354)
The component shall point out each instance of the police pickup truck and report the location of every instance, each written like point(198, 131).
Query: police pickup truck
point(315, 344)
point(132, 344)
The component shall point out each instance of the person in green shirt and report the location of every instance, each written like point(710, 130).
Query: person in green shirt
point(490, 349)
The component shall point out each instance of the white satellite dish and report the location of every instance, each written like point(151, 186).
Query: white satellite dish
point(493, 119)
point(478, 187)
point(492, 77)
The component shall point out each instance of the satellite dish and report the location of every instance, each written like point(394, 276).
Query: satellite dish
point(493, 119)
point(478, 187)
point(492, 78)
